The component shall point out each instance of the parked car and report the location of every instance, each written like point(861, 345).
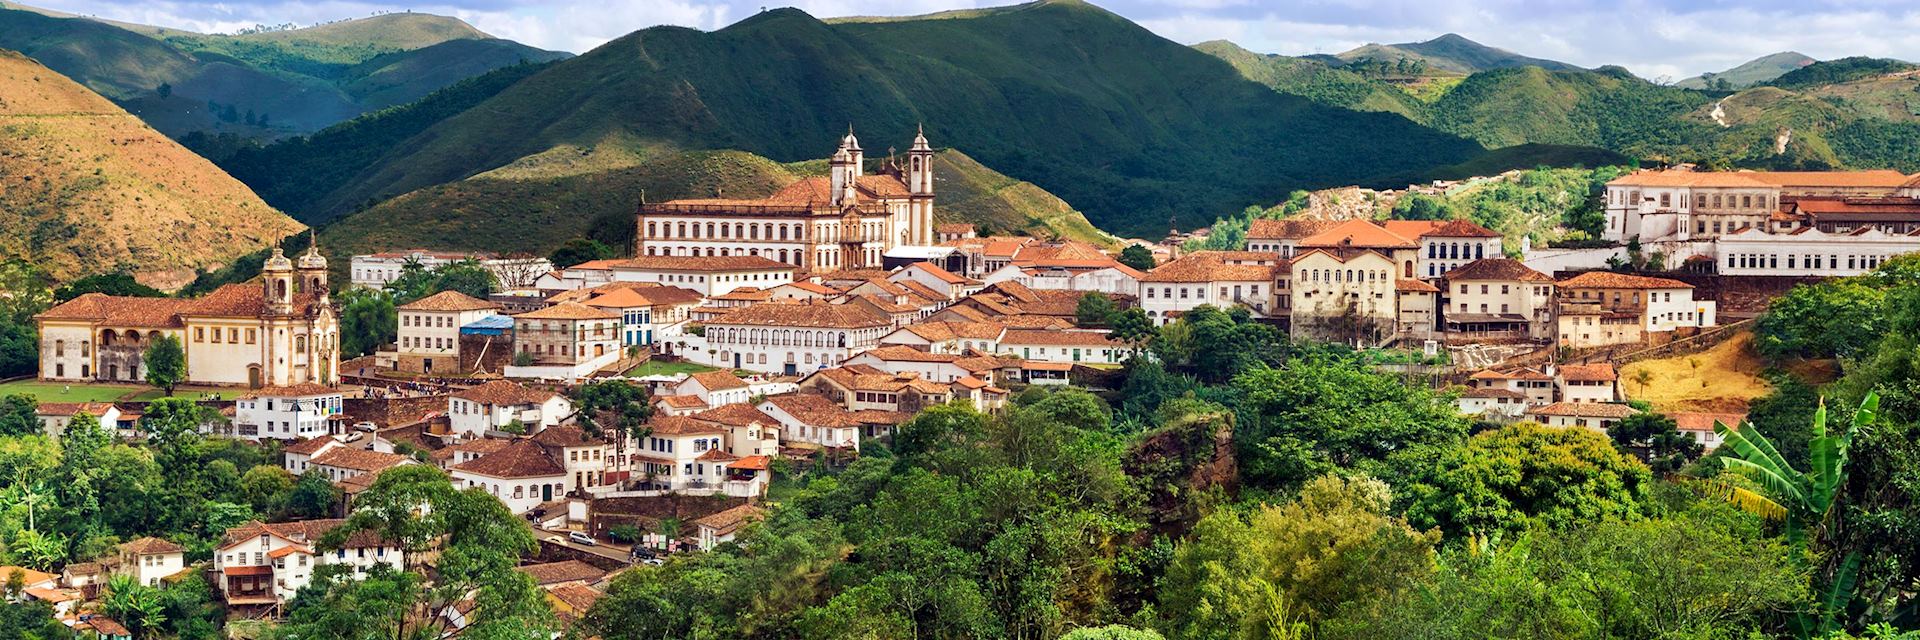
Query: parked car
point(653, 562)
point(581, 538)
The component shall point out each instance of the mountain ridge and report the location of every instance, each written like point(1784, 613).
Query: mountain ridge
point(1452, 52)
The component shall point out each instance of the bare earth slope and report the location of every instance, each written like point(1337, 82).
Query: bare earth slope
point(86, 187)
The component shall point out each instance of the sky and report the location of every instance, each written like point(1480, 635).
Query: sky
point(1657, 39)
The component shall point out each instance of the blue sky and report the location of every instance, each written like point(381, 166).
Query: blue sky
point(1654, 38)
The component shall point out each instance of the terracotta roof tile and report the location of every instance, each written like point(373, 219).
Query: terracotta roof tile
point(564, 571)
point(1291, 229)
point(718, 380)
point(568, 311)
point(521, 459)
point(1584, 410)
point(736, 414)
point(1501, 269)
point(1611, 280)
point(814, 410)
point(1359, 233)
point(664, 425)
point(504, 393)
point(1596, 372)
point(151, 545)
point(731, 520)
point(811, 314)
point(1207, 266)
point(448, 301)
point(1076, 338)
point(360, 459)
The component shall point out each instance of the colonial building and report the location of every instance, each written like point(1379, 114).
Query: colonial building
point(775, 337)
point(1349, 296)
point(1252, 279)
point(522, 474)
point(567, 340)
point(1661, 304)
point(1810, 251)
point(1498, 297)
point(298, 412)
point(491, 406)
point(1683, 204)
point(429, 338)
point(709, 275)
point(374, 271)
point(278, 330)
point(259, 566)
point(847, 220)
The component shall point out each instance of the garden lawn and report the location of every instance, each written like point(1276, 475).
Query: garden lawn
point(665, 368)
point(65, 392)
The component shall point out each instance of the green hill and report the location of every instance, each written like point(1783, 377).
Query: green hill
point(1314, 80)
point(591, 190)
point(1130, 127)
point(1451, 53)
point(1756, 71)
point(260, 84)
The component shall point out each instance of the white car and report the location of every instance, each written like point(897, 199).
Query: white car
point(581, 538)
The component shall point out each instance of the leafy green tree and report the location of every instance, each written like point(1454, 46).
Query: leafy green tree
point(616, 409)
point(19, 415)
point(26, 619)
point(1136, 256)
point(1111, 632)
point(368, 320)
point(137, 606)
point(468, 277)
point(1419, 206)
point(336, 603)
point(1835, 318)
point(119, 283)
point(40, 550)
point(24, 291)
point(579, 250)
point(1516, 477)
point(1656, 439)
point(1322, 414)
point(166, 363)
point(1094, 310)
point(267, 488)
point(1132, 326)
point(313, 496)
point(1283, 568)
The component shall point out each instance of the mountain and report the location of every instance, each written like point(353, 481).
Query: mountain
point(1131, 128)
point(259, 84)
point(91, 188)
point(1752, 72)
point(590, 190)
point(1315, 80)
point(1451, 53)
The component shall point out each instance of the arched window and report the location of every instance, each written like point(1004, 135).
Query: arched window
point(299, 344)
point(682, 231)
point(709, 229)
point(653, 229)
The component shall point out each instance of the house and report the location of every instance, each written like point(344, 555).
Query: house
point(589, 461)
point(788, 338)
point(1685, 204)
point(1366, 236)
point(1498, 297)
point(813, 420)
point(802, 291)
point(29, 579)
point(1344, 296)
point(956, 337)
point(521, 474)
point(54, 416)
point(709, 275)
point(677, 405)
point(1221, 279)
point(846, 220)
point(935, 280)
point(495, 404)
point(340, 464)
point(1588, 415)
point(149, 559)
point(1539, 387)
point(937, 367)
point(572, 572)
point(287, 413)
point(749, 431)
point(1662, 304)
point(1596, 382)
point(259, 566)
point(670, 457)
point(1419, 308)
point(721, 527)
point(277, 330)
point(571, 601)
point(861, 387)
point(1079, 346)
point(298, 457)
point(1699, 426)
point(951, 231)
point(714, 388)
point(1589, 324)
point(632, 305)
point(1446, 245)
point(429, 335)
point(1493, 403)
point(1283, 236)
point(565, 341)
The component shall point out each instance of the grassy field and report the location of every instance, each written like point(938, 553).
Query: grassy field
point(59, 392)
point(225, 393)
point(1723, 378)
point(664, 368)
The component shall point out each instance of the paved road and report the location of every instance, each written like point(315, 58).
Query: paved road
point(604, 550)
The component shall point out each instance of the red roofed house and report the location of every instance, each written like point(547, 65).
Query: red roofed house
point(522, 474)
point(1662, 304)
point(1348, 296)
point(1683, 204)
point(474, 411)
point(684, 454)
point(710, 275)
point(1255, 280)
point(1079, 346)
point(259, 566)
point(277, 330)
point(149, 559)
point(298, 412)
point(1587, 415)
point(846, 220)
point(949, 285)
point(784, 338)
point(1498, 297)
point(429, 337)
point(815, 420)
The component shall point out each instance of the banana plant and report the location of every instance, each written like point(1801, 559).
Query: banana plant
point(1802, 501)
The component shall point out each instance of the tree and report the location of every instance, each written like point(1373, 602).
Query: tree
point(1419, 206)
point(313, 496)
point(24, 292)
point(19, 415)
point(172, 426)
point(1654, 438)
point(1133, 327)
point(118, 283)
point(1138, 257)
point(267, 488)
point(615, 409)
point(368, 320)
point(1094, 310)
point(1322, 414)
point(137, 606)
point(337, 603)
point(1111, 632)
point(1515, 477)
point(1285, 568)
point(166, 363)
point(1842, 318)
point(468, 277)
point(579, 250)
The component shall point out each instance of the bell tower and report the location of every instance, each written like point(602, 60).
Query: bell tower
point(920, 188)
point(312, 271)
point(277, 277)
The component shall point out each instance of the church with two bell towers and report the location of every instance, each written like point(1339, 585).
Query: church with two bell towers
point(277, 330)
point(847, 219)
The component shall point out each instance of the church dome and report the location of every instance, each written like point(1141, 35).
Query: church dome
point(920, 140)
point(277, 262)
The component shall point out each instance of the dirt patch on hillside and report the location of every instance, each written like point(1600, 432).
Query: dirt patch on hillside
point(1725, 378)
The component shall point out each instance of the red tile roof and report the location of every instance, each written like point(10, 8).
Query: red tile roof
point(1596, 372)
point(568, 311)
point(504, 393)
point(563, 571)
point(1290, 229)
point(810, 314)
point(736, 414)
point(360, 459)
point(1584, 410)
point(521, 459)
point(1611, 280)
point(448, 301)
point(1500, 269)
point(718, 380)
point(664, 425)
point(1207, 266)
point(1361, 234)
point(151, 545)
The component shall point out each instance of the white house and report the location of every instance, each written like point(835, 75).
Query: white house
point(340, 464)
point(298, 457)
point(670, 457)
point(1662, 304)
point(774, 337)
point(429, 338)
point(149, 559)
point(815, 420)
point(1587, 415)
point(491, 406)
point(287, 413)
point(260, 565)
point(937, 367)
point(1809, 251)
point(1498, 296)
point(374, 271)
point(1596, 382)
point(589, 461)
point(521, 474)
point(1079, 346)
point(719, 528)
point(54, 416)
point(950, 337)
point(709, 275)
point(715, 388)
point(1223, 279)
point(948, 285)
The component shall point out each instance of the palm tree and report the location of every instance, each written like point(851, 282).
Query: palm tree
point(669, 530)
point(1803, 501)
point(135, 605)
